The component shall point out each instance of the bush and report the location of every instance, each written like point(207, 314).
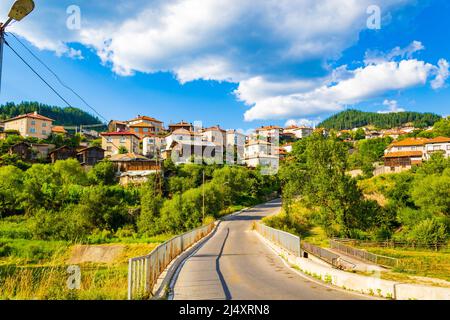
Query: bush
point(429, 231)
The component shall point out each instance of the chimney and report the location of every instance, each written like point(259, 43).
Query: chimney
point(35, 113)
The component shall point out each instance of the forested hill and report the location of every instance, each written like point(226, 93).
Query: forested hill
point(350, 119)
point(63, 116)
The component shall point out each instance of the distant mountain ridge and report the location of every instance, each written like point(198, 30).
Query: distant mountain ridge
point(350, 119)
point(68, 116)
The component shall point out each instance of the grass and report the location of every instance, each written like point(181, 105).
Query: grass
point(37, 270)
point(422, 263)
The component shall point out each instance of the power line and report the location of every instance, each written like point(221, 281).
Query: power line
point(36, 73)
point(57, 77)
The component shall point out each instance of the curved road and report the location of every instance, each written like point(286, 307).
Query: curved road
point(235, 264)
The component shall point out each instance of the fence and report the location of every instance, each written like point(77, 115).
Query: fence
point(322, 254)
point(363, 254)
point(143, 272)
point(392, 244)
point(287, 240)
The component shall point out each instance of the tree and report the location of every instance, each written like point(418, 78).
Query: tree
point(123, 150)
point(442, 127)
point(103, 173)
point(329, 187)
point(11, 185)
point(433, 193)
point(151, 204)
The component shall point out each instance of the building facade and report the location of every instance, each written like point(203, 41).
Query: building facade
point(113, 141)
point(30, 125)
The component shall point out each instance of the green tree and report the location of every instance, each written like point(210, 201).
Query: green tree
point(11, 184)
point(103, 173)
point(442, 127)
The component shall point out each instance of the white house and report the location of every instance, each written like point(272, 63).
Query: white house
point(300, 132)
point(261, 153)
point(439, 144)
point(152, 145)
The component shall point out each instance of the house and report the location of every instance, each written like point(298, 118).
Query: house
point(261, 153)
point(152, 146)
point(59, 130)
point(113, 141)
point(133, 162)
point(133, 168)
point(215, 135)
point(402, 155)
point(185, 151)
point(182, 135)
point(143, 125)
point(287, 147)
point(235, 146)
point(181, 125)
point(270, 133)
point(22, 149)
point(30, 125)
point(31, 151)
point(439, 144)
point(299, 132)
point(116, 126)
point(62, 153)
point(90, 156)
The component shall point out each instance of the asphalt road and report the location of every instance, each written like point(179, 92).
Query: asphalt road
point(236, 264)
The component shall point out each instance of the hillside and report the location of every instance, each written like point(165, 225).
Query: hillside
point(63, 116)
point(350, 119)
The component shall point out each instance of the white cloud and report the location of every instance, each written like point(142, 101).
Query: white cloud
point(238, 41)
point(375, 57)
point(366, 82)
point(442, 74)
point(393, 107)
point(301, 123)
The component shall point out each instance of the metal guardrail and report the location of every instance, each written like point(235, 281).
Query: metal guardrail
point(436, 246)
point(323, 254)
point(363, 254)
point(286, 240)
point(143, 272)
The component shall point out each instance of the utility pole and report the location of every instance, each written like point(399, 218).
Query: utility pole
point(19, 10)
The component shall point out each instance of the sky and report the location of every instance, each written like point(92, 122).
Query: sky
point(237, 63)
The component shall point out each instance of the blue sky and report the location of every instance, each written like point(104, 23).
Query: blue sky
point(235, 63)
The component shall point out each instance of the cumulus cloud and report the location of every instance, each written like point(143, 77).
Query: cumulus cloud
point(393, 107)
point(374, 56)
point(442, 74)
point(365, 82)
point(301, 123)
point(259, 47)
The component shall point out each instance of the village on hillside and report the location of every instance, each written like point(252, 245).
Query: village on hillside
point(138, 147)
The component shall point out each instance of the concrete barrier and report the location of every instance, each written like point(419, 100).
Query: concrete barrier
point(370, 285)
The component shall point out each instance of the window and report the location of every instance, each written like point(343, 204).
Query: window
point(32, 130)
point(123, 140)
point(109, 140)
point(109, 148)
point(44, 132)
point(435, 148)
point(448, 147)
point(145, 129)
point(33, 123)
point(413, 148)
point(44, 124)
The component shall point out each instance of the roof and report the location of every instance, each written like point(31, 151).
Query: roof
point(89, 148)
point(118, 133)
point(59, 129)
point(438, 140)
point(139, 117)
point(409, 142)
point(268, 128)
point(181, 124)
point(33, 115)
point(141, 125)
point(142, 173)
point(214, 128)
point(403, 154)
point(186, 132)
point(62, 148)
point(128, 157)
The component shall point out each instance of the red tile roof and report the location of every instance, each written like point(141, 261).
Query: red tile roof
point(30, 115)
point(409, 142)
point(145, 118)
point(438, 140)
point(403, 154)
